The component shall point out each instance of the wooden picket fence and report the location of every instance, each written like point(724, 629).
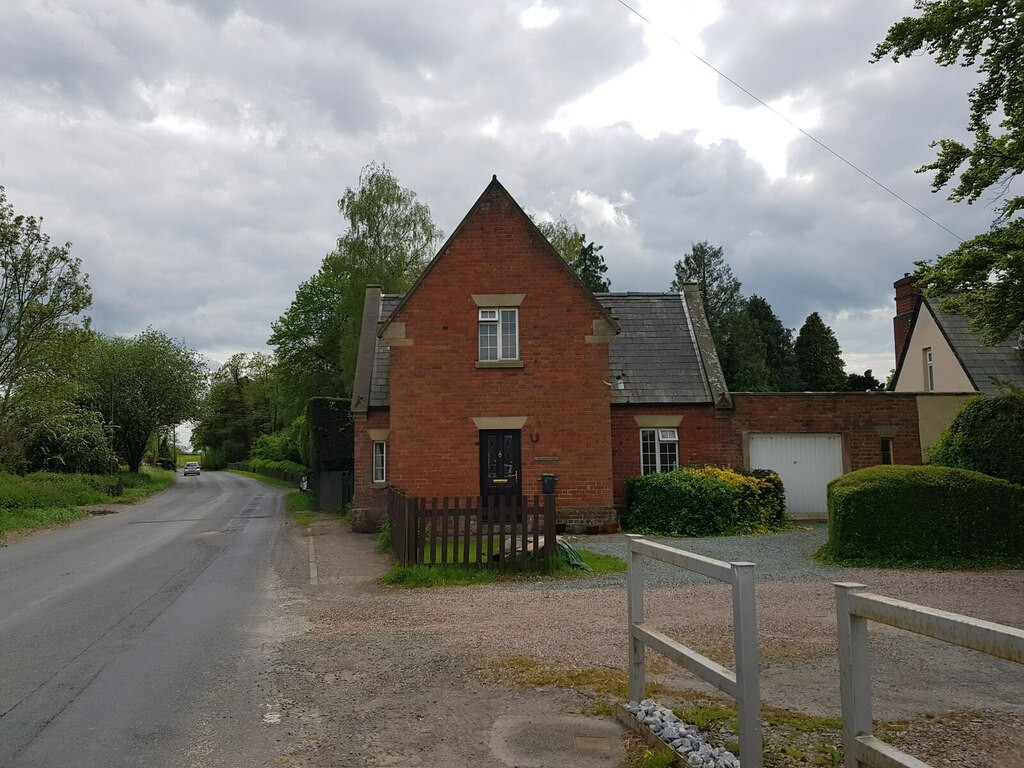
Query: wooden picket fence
point(493, 532)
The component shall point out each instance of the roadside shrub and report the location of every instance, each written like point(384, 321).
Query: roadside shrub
point(771, 495)
point(280, 446)
point(71, 441)
point(913, 513)
point(703, 502)
point(986, 436)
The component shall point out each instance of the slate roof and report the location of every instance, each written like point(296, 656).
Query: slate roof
point(382, 355)
point(656, 352)
point(981, 363)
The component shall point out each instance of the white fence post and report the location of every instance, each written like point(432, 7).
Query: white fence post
point(748, 696)
point(743, 684)
point(854, 609)
point(854, 672)
point(635, 609)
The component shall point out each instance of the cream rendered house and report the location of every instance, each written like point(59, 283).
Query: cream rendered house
point(940, 357)
point(938, 352)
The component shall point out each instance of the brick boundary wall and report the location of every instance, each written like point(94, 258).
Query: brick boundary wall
point(719, 437)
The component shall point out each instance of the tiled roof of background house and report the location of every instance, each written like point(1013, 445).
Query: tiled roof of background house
point(657, 353)
point(982, 363)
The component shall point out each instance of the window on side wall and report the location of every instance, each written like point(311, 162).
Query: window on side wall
point(659, 450)
point(380, 458)
point(887, 450)
point(929, 370)
point(499, 334)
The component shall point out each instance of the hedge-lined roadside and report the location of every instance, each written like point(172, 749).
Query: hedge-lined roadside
point(923, 514)
point(43, 499)
point(705, 501)
point(281, 470)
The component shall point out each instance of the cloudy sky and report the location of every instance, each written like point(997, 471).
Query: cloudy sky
point(194, 151)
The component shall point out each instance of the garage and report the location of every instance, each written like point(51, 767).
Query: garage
point(805, 462)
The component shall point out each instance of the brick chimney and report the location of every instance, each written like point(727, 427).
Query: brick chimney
point(906, 300)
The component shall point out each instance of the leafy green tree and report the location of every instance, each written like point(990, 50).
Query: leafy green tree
point(866, 382)
point(720, 293)
point(241, 405)
point(42, 292)
point(583, 258)
point(143, 384)
point(590, 268)
point(741, 347)
point(389, 239)
point(226, 418)
point(818, 356)
point(741, 351)
point(986, 272)
point(780, 359)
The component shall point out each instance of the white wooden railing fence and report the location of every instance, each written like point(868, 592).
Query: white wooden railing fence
point(854, 608)
point(742, 685)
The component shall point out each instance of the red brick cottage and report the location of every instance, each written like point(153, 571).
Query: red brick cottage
point(498, 367)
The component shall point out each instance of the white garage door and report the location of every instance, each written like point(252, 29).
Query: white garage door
point(805, 463)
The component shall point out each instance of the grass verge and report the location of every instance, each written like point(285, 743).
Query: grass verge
point(296, 501)
point(418, 576)
point(46, 499)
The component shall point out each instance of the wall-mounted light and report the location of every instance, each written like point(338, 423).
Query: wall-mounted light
point(618, 384)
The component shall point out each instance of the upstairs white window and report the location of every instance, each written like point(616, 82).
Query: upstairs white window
point(929, 370)
point(659, 450)
point(499, 334)
point(380, 456)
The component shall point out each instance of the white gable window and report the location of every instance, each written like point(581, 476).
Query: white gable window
point(659, 450)
point(929, 370)
point(499, 334)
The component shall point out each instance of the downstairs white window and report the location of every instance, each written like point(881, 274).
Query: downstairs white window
point(659, 450)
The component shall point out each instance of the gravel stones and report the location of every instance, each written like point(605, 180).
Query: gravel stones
point(684, 739)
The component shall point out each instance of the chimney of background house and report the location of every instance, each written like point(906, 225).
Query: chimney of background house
point(906, 299)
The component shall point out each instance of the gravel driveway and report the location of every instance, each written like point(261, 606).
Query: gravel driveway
point(373, 654)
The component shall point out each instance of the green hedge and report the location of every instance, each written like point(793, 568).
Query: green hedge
point(328, 435)
point(987, 436)
point(912, 513)
point(704, 502)
point(282, 470)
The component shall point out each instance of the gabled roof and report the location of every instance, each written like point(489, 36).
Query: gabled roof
point(495, 187)
point(663, 351)
point(981, 363)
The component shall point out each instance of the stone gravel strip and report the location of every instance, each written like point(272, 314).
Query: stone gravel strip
point(783, 556)
point(684, 739)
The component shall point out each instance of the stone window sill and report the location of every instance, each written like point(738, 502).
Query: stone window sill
point(499, 363)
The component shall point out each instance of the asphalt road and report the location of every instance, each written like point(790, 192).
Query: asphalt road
point(143, 638)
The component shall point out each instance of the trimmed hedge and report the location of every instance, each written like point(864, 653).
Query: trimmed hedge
point(913, 513)
point(704, 501)
point(282, 470)
point(328, 435)
point(987, 436)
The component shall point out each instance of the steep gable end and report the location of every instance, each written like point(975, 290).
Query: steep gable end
point(494, 223)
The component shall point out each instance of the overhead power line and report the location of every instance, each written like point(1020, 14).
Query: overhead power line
point(781, 116)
